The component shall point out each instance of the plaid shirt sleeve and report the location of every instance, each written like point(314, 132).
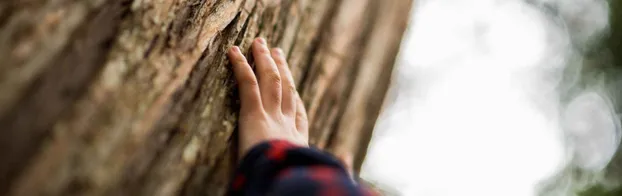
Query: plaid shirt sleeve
point(281, 168)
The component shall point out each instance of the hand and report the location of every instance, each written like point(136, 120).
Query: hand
point(270, 105)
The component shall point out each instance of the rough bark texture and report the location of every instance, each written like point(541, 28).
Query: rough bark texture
point(135, 97)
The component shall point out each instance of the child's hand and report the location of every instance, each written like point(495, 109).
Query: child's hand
point(270, 105)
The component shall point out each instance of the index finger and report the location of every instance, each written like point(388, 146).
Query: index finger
point(250, 97)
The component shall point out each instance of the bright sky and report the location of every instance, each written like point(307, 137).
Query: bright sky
point(478, 111)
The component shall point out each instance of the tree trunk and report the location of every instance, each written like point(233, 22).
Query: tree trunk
point(122, 97)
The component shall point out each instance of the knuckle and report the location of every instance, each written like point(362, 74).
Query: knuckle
point(265, 52)
point(241, 61)
point(278, 53)
point(274, 78)
point(255, 113)
point(301, 116)
point(250, 81)
point(280, 60)
point(276, 97)
point(290, 88)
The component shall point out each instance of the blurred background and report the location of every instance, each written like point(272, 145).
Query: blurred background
point(515, 97)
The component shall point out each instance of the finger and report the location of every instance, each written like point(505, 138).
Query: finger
point(302, 124)
point(268, 75)
point(288, 94)
point(250, 97)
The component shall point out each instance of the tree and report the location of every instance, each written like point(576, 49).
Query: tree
point(122, 97)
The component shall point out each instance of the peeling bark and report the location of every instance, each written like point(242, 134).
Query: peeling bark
point(135, 97)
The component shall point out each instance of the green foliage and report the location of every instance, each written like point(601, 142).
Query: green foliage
point(614, 41)
point(613, 73)
point(599, 190)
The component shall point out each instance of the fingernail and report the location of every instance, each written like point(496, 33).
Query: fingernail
point(236, 49)
point(276, 51)
point(280, 52)
point(262, 41)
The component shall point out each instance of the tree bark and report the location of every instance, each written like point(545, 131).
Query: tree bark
point(136, 97)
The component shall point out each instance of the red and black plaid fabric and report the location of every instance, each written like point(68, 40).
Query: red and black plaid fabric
point(282, 168)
